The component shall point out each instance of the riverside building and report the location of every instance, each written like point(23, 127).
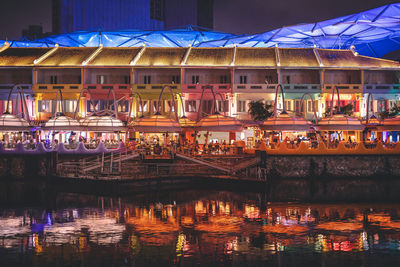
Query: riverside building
point(132, 80)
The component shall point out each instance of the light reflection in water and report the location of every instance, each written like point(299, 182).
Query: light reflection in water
point(219, 227)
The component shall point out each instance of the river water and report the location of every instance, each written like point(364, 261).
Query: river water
point(194, 228)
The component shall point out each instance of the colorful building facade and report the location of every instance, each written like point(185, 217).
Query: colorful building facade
point(134, 79)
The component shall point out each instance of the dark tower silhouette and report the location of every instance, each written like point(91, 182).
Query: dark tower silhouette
point(111, 15)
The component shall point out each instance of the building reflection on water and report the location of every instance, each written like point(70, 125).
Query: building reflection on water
point(223, 227)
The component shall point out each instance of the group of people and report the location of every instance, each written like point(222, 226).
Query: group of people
point(184, 146)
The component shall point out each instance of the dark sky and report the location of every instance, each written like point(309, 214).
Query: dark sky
point(236, 16)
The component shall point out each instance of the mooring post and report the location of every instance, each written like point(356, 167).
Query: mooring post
point(120, 162)
point(111, 162)
point(102, 162)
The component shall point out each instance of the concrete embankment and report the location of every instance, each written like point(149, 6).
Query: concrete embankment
point(298, 166)
point(27, 166)
point(332, 177)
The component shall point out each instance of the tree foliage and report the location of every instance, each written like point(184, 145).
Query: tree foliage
point(345, 110)
point(394, 111)
point(260, 111)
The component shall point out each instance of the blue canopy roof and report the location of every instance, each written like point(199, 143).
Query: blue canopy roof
point(25, 44)
point(374, 33)
point(130, 38)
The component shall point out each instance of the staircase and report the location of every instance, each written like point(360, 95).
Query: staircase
point(104, 164)
point(228, 165)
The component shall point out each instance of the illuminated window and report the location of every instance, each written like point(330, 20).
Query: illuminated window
point(309, 106)
point(44, 105)
point(10, 106)
point(268, 79)
point(190, 106)
point(195, 79)
point(176, 79)
point(222, 106)
point(53, 79)
point(288, 105)
point(147, 79)
point(207, 106)
point(145, 105)
point(168, 105)
point(123, 106)
point(101, 79)
point(69, 105)
point(91, 106)
point(241, 106)
point(223, 79)
point(155, 106)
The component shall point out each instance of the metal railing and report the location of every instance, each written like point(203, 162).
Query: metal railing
point(254, 87)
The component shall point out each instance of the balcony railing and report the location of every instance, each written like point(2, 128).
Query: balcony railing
point(254, 88)
point(381, 88)
point(154, 87)
point(64, 87)
point(358, 88)
point(218, 88)
point(302, 87)
point(106, 87)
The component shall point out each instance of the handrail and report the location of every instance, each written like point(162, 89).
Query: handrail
point(279, 86)
point(333, 97)
point(172, 98)
point(313, 105)
point(58, 93)
point(341, 149)
point(213, 109)
point(369, 98)
point(130, 106)
point(79, 100)
point(24, 107)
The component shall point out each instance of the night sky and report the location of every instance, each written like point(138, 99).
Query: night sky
point(235, 16)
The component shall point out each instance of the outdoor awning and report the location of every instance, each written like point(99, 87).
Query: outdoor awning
point(12, 123)
point(219, 123)
point(62, 123)
point(286, 122)
point(155, 124)
point(185, 122)
point(373, 122)
point(105, 124)
point(340, 122)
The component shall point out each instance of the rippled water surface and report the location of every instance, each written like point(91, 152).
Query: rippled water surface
point(192, 228)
